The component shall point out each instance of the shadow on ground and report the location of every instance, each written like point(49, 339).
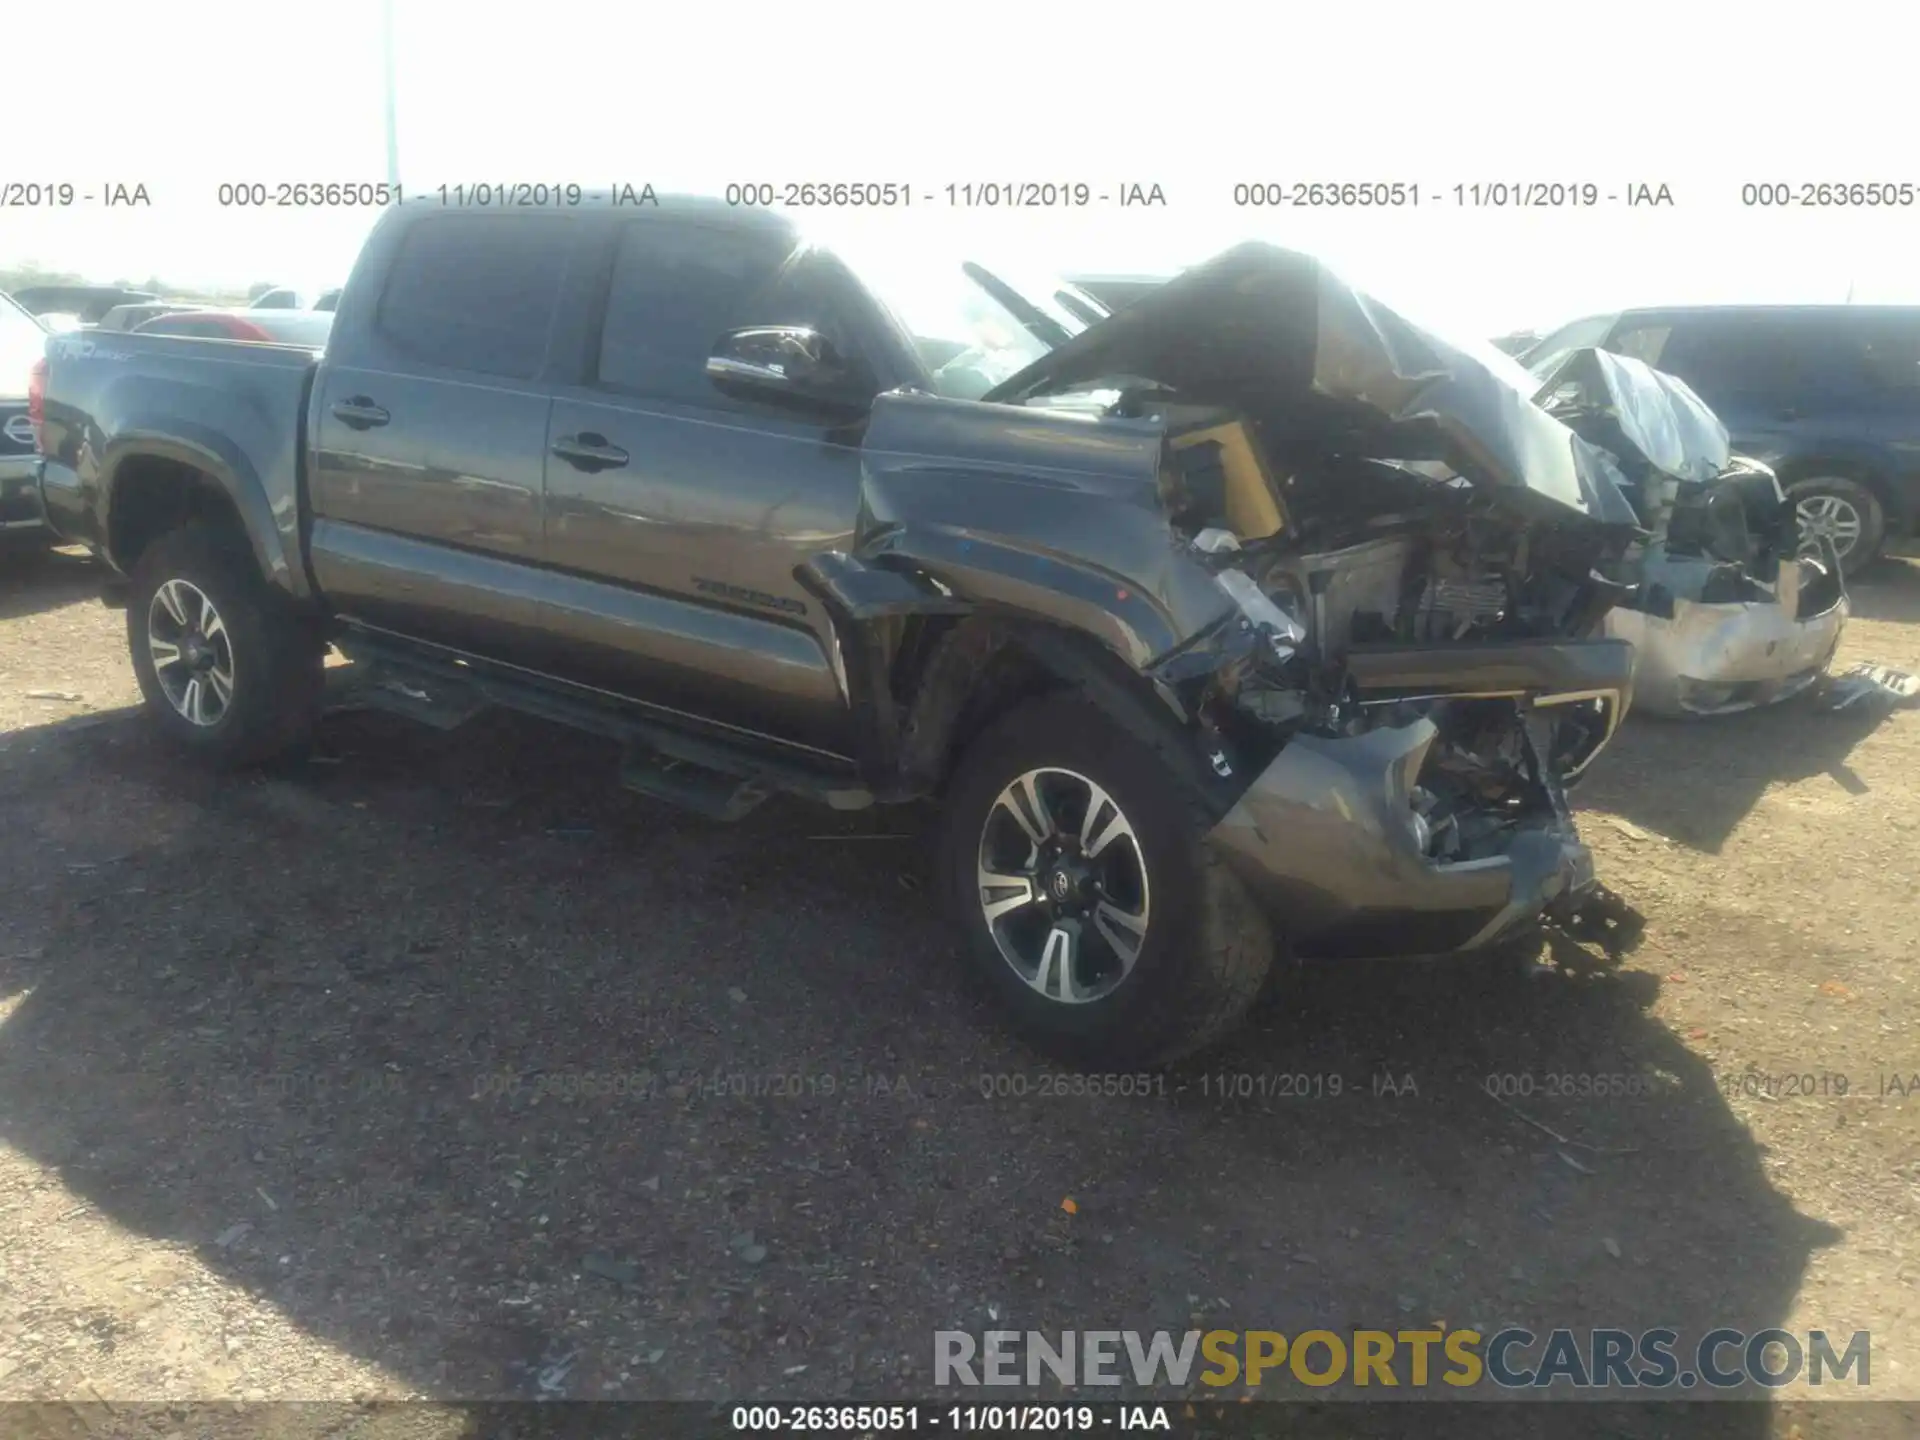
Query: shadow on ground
point(1889, 591)
point(1743, 754)
point(512, 1066)
point(35, 581)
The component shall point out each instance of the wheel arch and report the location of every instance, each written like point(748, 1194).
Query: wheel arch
point(154, 483)
point(961, 675)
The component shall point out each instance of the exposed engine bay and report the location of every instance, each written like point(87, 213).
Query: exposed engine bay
point(1343, 563)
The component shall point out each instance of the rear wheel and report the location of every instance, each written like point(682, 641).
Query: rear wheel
point(1844, 513)
point(1076, 865)
point(229, 670)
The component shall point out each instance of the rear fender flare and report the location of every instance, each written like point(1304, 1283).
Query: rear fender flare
point(226, 468)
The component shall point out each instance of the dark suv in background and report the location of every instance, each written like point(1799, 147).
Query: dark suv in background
point(1828, 395)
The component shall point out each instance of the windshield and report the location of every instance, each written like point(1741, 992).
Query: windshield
point(975, 327)
point(22, 341)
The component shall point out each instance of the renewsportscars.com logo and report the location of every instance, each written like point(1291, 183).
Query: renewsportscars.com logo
point(1511, 1359)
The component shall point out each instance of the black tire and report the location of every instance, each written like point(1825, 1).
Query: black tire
point(1207, 947)
point(1856, 497)
point(275, 657)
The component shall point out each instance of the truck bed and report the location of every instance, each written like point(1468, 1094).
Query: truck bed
point(234, 410)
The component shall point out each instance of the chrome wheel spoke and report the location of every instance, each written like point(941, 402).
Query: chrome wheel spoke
point(194, 702)
point(164, 652)
point(1021, 888)
point(1057, 960)
point(222, 682)
point(1023, 801)
point(1125, 930)
point(1096, 837)
point(173, 601)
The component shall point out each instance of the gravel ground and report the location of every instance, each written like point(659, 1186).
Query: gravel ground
point(438, 1066)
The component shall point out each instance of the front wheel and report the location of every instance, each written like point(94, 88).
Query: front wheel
point(1076, 864)
point(228, 669)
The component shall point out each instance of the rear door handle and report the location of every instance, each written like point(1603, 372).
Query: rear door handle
point(360, 413)
point(588, 451)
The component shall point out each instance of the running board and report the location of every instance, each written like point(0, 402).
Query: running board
point(711, 793)
point(708, 774)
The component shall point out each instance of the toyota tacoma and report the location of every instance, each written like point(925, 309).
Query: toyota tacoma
point(1253, 620)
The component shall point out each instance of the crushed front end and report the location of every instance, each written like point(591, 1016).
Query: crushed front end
point(1408, 710)
point(1416, 561)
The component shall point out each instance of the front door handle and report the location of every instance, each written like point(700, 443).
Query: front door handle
point(360, 413)
point(588, 451)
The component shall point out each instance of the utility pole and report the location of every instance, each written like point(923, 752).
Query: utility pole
point(393, 129)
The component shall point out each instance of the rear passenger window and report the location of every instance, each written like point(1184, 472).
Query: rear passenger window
point(477, 292)
point(1765, 354)
point(677, 288)
point(1721, 355)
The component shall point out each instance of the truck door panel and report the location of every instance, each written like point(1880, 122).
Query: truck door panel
point(433, 431)
point(685, 515)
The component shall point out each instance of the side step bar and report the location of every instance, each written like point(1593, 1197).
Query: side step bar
point(707, 774)
point(711, 793)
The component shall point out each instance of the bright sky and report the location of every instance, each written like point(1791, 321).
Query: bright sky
point(1195, 97)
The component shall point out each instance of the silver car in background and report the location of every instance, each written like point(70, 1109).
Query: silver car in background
point(1731, 612)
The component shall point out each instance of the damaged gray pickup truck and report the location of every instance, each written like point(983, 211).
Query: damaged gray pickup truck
point(1251, 620)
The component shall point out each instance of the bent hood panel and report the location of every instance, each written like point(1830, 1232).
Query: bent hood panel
point(1274, 334)
point(1658, 414)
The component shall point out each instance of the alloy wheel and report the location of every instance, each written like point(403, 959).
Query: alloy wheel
point(1832, 518)
point(192, 652)
point(1062, 883)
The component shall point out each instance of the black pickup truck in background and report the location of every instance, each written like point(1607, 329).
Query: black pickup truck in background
point(1205, 652)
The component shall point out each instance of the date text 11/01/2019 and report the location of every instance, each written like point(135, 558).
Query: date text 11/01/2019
point(1472, 195)
point(837, 194)
point(1042, 1419)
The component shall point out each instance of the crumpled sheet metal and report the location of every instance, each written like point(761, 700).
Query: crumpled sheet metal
point(1274, 334)
point(1658, 414)
point(1722, 658)
point(1868, 684)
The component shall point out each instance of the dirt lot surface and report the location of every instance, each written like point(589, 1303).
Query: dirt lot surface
point(438, 1066)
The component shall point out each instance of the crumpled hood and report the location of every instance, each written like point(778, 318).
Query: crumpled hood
point(1656, 413)
point(1274, 334)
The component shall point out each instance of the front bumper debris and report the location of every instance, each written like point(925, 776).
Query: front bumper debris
point(1716, 658)
point(1324, 837)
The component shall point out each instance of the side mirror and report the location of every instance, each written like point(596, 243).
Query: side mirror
point(793, 364)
